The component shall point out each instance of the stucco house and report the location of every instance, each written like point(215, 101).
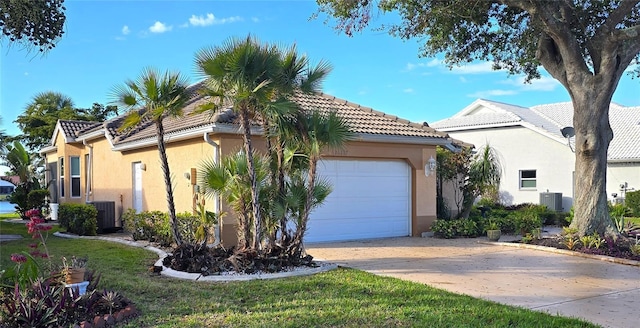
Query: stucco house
point(379, 180)
point(535, 155)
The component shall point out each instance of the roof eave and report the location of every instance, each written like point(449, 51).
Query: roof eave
point(48, 149)
point(402, 139)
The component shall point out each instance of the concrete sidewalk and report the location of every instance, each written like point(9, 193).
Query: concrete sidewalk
point(600, 292)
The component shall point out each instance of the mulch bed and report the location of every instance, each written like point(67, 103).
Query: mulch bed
point(619, 249)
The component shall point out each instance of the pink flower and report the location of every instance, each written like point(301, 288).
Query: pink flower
point(34, 212)
point(18, 258)
point(34, 245)
point(35, 253)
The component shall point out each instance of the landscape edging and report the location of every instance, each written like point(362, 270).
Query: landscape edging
point(168, 272)
point(566, 252)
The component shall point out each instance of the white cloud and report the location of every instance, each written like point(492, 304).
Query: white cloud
point(201, 21)
point(545, 83)
point(477, 68)
point(255, 19)
point(210, 19)
point(125, 30)
point(434, 62)
point(463, 79)
point(408, 90)
point(159, 27)
point(490, 93)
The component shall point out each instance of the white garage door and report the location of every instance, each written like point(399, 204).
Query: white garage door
point(370, 199)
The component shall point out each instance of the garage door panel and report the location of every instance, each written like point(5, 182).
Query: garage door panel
point(370, 199)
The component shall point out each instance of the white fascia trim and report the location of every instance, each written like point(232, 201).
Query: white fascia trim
point(92, 135)
point(48, 149)
point(183, 135)
point(478, 127)
point(402, 140)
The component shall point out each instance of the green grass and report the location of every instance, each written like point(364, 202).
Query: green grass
point(5, 216)
point(339, 298)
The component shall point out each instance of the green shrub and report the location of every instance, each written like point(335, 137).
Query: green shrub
point(455, 228)
point(619, 210)
point(80, 219)
point(526, 221)
point(632, 199)
point(148, 225)
point(155, 226)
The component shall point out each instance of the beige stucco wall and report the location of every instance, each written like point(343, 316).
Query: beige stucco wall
point(113, 176)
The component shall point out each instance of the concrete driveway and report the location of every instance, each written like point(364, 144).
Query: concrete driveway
point(600, 292)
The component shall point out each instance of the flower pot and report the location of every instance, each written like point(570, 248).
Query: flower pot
point(74, 275)
point(493, 235)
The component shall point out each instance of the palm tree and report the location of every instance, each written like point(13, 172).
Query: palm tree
point(485, 172)
point(154, 96)
point(230, 179)
point(316, 132)
point(256, 80)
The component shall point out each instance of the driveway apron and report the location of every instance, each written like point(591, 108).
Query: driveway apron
point(604, 293)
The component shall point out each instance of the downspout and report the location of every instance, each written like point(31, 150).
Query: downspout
point(89, 171)
point(216, 197)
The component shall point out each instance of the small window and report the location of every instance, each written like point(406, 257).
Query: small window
point(528, 179)
point(75, 176)
point(61, 160)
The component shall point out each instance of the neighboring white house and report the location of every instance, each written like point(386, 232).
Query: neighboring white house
point(536, 157)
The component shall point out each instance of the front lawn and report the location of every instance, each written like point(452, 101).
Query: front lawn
point(339, 298)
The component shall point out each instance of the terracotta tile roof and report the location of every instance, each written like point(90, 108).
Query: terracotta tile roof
point(366, 120)
point(74, 128)
point(361, 119)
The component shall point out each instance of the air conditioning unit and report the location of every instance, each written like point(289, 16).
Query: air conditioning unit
point(552, 200)
point(106, 216)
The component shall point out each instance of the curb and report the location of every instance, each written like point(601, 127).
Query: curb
point(168, 272)
point(566, 252)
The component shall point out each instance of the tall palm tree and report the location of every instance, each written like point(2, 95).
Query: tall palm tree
point(154, 96)
point(316, 131)
point(256, 80)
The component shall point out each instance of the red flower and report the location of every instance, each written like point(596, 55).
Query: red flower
point(18, 258)
point(34, 245)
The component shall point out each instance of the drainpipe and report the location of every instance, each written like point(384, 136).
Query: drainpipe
point(89, 171)
point(216, 197)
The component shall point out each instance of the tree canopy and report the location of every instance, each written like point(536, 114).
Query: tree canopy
point(33, 23)
point(39, 119)
point(585, 45)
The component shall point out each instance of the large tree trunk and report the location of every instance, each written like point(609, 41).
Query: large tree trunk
point(593, 135)
point(255, 203)
point(164, 163)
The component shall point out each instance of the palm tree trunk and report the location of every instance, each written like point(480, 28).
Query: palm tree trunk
point(164, 162)
point(255, 204)
point(302, 226)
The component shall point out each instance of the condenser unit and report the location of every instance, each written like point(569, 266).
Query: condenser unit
point(106, 216)
point(552, 200)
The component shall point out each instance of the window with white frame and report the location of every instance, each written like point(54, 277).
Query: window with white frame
point(75, 176)
point(528, 179)
point(61, 161)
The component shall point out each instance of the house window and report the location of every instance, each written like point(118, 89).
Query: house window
point(75, 176)
point(61, 161)
point(528, 179)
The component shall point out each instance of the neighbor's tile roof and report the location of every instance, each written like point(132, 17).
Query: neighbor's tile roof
point(362, 120)
point(625, 122)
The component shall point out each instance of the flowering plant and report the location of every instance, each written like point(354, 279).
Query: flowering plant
point(27, 269)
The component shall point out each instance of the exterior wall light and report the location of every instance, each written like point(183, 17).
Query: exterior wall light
point(430, 167)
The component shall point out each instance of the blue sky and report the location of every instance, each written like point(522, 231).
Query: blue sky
point(107, 42)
